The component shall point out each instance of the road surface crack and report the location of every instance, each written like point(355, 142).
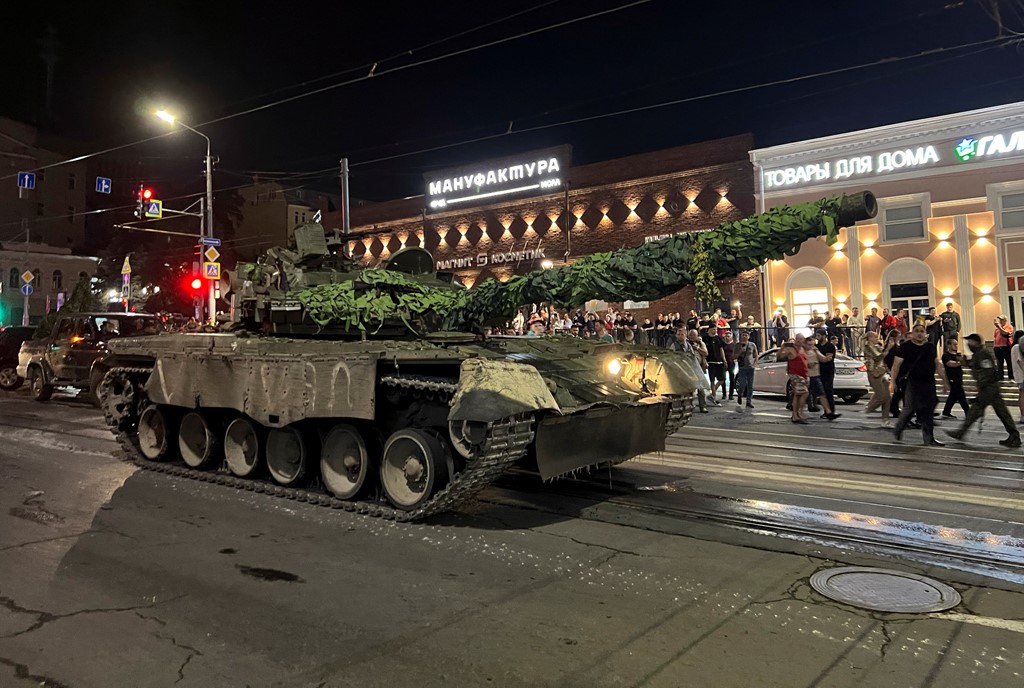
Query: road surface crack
point(44, 618)
point(192, 652)
point(22, 671)
point(614, 550)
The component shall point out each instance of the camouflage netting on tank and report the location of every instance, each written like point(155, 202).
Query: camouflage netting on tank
point(651, 271)
point(81, 300)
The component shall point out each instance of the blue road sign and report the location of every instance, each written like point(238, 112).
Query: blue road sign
point(26, 289)
point(26, 180)
point(103, 185)
point(210, 241)
point(155, 209)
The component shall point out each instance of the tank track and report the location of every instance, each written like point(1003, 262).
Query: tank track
point(679, 414)
point(506, 442)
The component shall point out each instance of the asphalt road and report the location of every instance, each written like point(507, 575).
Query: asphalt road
point(686, 568)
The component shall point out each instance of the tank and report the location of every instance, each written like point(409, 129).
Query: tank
point(378, 390)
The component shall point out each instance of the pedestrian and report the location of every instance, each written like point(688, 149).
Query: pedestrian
point(601, 333)
point(987, 377)
point(918, 361)
point(953, 361)
point(872, 323)
point(716, 365)
point(933, 325)
point(855, 332)
point(1002, 338)
point(834, 325)
point(816, 389)
point(903, 323)
point(1017, 364)
point(892, 343)
point(690, 340)
point(950, 323)
point(815, 321)
point(745, 353)
point(796, 369)
point(729, 349)
point(780, 328)
point(734, 320)
point(754, 329)
point(826, 346)
point(888, 323)
point(874, 361)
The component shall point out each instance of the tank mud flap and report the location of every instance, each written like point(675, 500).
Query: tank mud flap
point(598, 435)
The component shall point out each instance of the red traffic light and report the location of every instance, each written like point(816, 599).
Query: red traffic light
point(146, 194)
point(197, 284)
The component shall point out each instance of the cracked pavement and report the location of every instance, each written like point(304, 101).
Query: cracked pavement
point(148, 580)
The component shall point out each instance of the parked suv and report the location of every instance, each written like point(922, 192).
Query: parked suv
point(11, 339)
point(72, 356)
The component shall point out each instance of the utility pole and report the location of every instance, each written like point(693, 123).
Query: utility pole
point(28, 229)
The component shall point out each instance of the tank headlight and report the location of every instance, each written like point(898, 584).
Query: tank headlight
point(614, 366)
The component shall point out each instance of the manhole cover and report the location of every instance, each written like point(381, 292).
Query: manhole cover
point(885, 591)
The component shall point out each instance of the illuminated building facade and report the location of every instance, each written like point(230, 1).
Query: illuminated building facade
point(950, 225)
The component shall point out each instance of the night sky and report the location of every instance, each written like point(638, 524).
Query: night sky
point(118, 62)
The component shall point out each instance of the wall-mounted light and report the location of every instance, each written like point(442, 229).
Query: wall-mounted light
point(947, 292)
point(547, 264)
point(869, 251)
point(943, 244)
point(982, 241)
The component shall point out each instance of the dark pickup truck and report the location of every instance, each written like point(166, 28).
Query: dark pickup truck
point(72, 356)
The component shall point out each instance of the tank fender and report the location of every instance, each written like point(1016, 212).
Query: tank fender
point(489, 390)
point(677, 373)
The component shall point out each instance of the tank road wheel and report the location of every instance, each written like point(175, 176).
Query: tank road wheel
point(198, 441)
point(289, 454)
point(414, 467)
point(244, 446)
point(157, 429)
point(346, 462)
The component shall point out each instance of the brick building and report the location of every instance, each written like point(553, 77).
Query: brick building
point(577, 211)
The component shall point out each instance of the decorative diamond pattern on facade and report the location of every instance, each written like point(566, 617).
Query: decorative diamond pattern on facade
point(518, 228)
point(394, 244)
point(542, 224)
point(618, 212)
point(413, 240)
point(452, 237)
point(376, 247)
point(474, 234)
point(495, 230)
point(592, 217)
point(707, 199)
point(359, 249)
point(646, 209)
point(676, 204)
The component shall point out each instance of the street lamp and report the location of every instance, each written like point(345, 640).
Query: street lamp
point(170, 119)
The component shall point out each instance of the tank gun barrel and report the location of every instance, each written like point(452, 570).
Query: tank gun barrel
point(643, 273)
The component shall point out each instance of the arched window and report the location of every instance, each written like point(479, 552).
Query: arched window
point(58, 280)
point(14, 279)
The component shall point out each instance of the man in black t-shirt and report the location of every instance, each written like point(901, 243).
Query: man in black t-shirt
point(827, 366)
point(716, 365)
point(692, 321)
point(916, 360)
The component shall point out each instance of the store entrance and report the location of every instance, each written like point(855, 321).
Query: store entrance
point(912, 296)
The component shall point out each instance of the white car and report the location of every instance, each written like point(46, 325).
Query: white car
point(850, 384)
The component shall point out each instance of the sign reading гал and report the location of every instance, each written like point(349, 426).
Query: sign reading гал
point(528, 174)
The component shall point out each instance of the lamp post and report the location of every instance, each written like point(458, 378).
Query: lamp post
point(208, 230)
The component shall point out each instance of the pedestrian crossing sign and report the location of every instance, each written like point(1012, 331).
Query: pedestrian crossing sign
point(211, 271)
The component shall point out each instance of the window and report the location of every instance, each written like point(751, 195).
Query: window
point(903, 223)
point(58, 280)
point(1011, 210)
point(72, 182)
point(39, 209)
point(913, 296)
point(65, 329)
point(14, 278)
point(71, 214)
point(805, 302)
point(40, 176)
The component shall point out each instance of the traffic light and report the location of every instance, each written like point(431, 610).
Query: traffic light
point(145, 194)
point(197, 284)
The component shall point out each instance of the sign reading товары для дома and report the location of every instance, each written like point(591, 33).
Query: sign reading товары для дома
point(897, 159)
point(532, 173)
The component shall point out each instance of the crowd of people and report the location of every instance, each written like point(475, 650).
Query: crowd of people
point(905, 357)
